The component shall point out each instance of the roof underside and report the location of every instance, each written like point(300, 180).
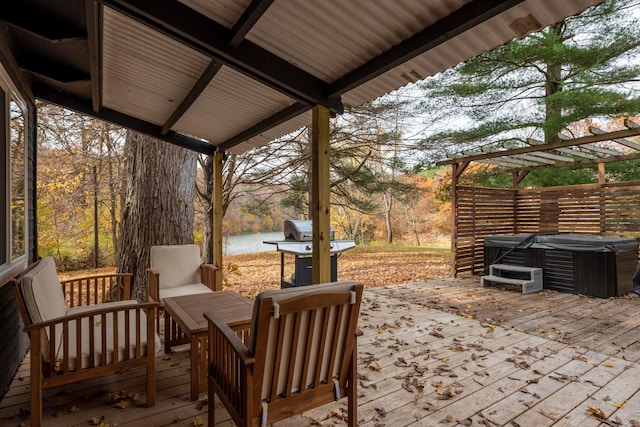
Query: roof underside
point(236, 74)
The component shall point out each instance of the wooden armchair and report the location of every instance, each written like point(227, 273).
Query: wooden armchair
point(176, 270)
point(76, 335)
point(301, 354)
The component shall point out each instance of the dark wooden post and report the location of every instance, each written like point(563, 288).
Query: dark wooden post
point(456, 171)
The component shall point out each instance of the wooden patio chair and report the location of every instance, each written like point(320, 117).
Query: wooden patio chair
point(301, 354)
point(176, 270)
point(83, 328)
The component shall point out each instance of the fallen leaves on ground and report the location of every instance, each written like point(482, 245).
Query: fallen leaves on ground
point(372, 267)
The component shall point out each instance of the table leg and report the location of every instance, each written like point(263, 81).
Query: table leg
point(195, 365)
point(204, 371)
point(167, 332)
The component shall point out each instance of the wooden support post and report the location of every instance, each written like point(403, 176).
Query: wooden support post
point(517, 178)
point(602, 180)
point(456, 171)
point(216, 218)
point(320, 201)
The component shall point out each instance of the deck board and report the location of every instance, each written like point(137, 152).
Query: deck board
point(441, 353)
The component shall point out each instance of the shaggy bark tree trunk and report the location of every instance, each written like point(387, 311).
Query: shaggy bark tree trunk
point(158, 208)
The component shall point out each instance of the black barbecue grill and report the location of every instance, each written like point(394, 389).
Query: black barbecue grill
point(297, 242)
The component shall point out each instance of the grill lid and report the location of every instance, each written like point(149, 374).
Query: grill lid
point(301, 230)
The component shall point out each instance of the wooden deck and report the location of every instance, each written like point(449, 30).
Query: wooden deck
point(441, 353)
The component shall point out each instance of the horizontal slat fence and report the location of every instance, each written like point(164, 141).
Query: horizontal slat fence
point(480, 212)
point(611, 209)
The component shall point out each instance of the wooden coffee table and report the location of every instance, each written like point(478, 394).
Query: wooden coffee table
point(186, 312)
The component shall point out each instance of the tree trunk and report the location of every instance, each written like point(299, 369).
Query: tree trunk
point(158, 208)
point(388, 205)
point(412, 221)
point(553, 85)
point(205, 193)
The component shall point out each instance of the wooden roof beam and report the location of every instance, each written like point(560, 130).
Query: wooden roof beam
point(580, 163)
point(555, 157)
point(631, 124)
point(251, 15)
point(551, 146)
point(622, 141)
point(463, 19)
point(534, 158)
point(593, 147)
point(94, 41)
point(196, 31)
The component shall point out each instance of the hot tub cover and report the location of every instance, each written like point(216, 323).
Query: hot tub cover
point(565, 241)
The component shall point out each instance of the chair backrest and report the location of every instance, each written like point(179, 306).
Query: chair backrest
point(43, 297)
point(178, 265)
point(303, 338)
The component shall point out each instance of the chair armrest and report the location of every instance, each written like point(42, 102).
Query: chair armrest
point(208, 275)
point(222, 330)
point(230, 366)
point(153, 277)
point(90, 290)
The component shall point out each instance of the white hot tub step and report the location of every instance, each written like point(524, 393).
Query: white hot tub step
point(532, 283)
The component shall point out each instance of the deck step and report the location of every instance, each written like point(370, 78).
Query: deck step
point(533, 283)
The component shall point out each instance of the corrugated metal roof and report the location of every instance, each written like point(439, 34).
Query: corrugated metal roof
point(145, 60)
point(146, 74)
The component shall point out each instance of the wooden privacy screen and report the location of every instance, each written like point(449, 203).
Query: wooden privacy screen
point(611, 209)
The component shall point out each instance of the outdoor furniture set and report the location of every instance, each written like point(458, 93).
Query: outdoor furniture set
point(288, 351)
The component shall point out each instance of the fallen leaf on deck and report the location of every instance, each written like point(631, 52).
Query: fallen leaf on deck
point(619, 405)
point(597, 412)
point(608, 364)
point(123, 404)
point(97, 421)
point(401, 362)
point(198, 421)
point(339, 413)
point(446, 419)
point(381, 413)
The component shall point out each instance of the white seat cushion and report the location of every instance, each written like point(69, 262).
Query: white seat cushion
point(43, 298)
point(178, 265)
point(193, 288)
point(42, 292)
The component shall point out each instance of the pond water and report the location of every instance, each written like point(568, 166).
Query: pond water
point(249, 243)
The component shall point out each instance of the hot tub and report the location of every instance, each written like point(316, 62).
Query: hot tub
point(597, 266)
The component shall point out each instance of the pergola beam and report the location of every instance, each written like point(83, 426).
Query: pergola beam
point(622, 141)
point(555, 145)
point(580, 163)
